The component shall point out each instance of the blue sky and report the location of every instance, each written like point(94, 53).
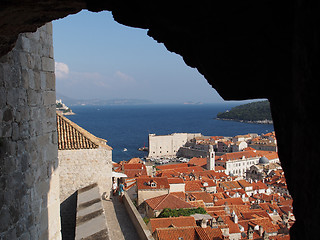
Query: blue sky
point(97, 57)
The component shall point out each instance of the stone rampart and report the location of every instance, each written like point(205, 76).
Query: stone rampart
point(29, 177)
point(140, 226)
point(82, 167)
point(91, 220)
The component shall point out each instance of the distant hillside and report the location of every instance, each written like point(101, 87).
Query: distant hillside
point(101, 102)
point(256, 112)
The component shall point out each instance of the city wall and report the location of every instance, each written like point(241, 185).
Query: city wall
point(29, 175)
point(168, 145)
point(82, 167)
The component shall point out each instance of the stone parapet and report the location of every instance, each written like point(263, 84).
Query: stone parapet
point(140, 226)
point(91, 219)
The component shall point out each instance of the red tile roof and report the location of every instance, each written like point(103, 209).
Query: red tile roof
point(128, 166)
point(172, 166)
point(193, 186)
point(167, 201)
point(202, 162)
point(229, 201)
point(73, 137)
point(204, 196)
point(144, 183)
point(134, 160)
point(248, 154)
point(185, 233)
point(172, 221)
point(230, 185)
point(175, 181)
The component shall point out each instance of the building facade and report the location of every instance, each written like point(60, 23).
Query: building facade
point(167, 146)
point(83, 159)
point(237, 164)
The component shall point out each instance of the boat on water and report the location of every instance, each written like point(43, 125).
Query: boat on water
point(125, 149)
point(145, 149)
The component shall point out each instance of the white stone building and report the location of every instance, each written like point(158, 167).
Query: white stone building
point(237, 163)
point(167, 146)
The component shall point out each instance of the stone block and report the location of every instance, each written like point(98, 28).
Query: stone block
point(15, 132)
point(37, 80)
point(47, 64)
point(50, 81)
point(7, 115)
point(34, 98)
point(49, 98)
point(12, 97)
point(25, 78)
point(25, 43)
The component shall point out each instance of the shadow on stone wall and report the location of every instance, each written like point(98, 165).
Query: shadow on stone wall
point(68, 214)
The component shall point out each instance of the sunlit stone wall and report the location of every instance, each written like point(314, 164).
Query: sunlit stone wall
point(29, 178)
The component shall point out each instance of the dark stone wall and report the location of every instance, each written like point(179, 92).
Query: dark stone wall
point(245, 49)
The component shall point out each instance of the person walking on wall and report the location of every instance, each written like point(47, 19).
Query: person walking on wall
point(114, 187)
point(121, 191)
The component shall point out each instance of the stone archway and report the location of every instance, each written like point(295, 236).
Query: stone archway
point(252, 49)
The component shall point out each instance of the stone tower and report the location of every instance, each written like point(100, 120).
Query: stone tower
point(211, 159)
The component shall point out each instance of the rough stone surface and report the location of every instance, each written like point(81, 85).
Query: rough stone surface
point(29, 178)
point(79, 168)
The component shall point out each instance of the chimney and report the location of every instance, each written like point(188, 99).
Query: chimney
point(204, 223)
point(265, 236)
point(250, 232)
point(260, 231)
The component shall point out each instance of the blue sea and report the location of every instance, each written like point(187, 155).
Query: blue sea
point(128, 126)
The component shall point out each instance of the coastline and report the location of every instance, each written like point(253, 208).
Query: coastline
point(65, 113)
point(246, 121)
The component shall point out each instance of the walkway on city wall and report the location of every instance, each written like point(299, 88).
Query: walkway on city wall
point(119, 223)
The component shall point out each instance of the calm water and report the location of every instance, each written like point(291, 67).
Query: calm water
point(129, 126)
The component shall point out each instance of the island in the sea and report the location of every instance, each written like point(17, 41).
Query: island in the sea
point(254, 112)
point(62, 108)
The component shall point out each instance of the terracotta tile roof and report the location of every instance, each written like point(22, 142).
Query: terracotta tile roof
point(248, 154)
point(180, 195)
point(134, 161)
point(167, 173)
point(172, 166)
point(131, 173)
point(190, 169)
point(219, 168)
point(134, 169)
point(73, 137)
point(144, 183)
point(229, 201)
point(198, 162)
point(167, 201)
point(266, 223)
point(193, 186)
point(259, 185)
point(230, 185)
point(128, 166)
point(172, 221)
point(198, 203)
point(175, 181)
point(233, 227)
point(280, 237)
point(185, 233)
point(213, 233)
point(254, 213)
point(244, 183)
point(206, 197)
